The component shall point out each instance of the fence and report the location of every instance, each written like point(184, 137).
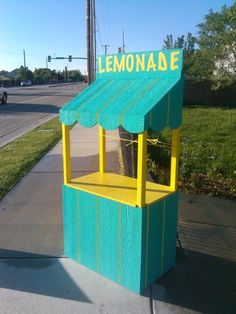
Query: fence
point(201, 94)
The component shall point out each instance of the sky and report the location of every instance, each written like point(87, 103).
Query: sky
point(58, 28)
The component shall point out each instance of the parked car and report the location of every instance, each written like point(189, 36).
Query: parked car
point(26, 83)
point(3, 95)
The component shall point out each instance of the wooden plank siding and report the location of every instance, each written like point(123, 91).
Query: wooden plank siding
point(129, 245)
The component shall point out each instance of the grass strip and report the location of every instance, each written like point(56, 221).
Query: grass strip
point(208, 152)
point(19, 156)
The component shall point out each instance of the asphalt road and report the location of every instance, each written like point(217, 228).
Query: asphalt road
point(29, 107)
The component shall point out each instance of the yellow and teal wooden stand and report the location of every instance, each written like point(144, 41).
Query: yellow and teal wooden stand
point(121, 227)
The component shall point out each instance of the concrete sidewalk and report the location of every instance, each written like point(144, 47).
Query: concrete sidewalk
point(35, 277)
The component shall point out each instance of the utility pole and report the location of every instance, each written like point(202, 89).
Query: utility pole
point(24, 64)
point(122, 48)
point(66, 74)
point(94, 38)
point(123, 41)
point(47, 69)
point(105, 48)
point(90, 39)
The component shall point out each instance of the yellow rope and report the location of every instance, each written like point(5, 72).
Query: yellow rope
point(150, 141)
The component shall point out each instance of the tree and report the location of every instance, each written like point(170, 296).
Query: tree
point(44, 75)
point(215, 59)
point(187, 43)
point(24, 74)
point(180, 42)
point(168, 42)
point(75, 75)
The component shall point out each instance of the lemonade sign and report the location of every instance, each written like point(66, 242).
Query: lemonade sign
point(151, 63)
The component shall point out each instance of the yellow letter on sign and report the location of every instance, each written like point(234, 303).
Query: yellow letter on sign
point(162, 63)
point(109, 64)
point(173, 59)
point(119, 65)
point(151, 64)
point(140, 63)
point(129, 62)
point(100, 69)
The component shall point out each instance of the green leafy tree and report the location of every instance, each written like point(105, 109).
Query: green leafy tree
point(215, 59)
point(23, 74)
point(43, 75)
point(189, 54)
point(168, 42)
point(75, 75)
point(180, 42)
point(187, 43)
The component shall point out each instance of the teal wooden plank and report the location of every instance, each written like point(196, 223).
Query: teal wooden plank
point(151, 97)
point(155, 242)
point(89, 231)
point(144, 248)
point(158, 116)
point(152, 242)
point(131, 243)
point(108, 238)
point(170, 229)
point(70, 222)
point(81, 98)
point(110, 117)
point(136, 118)
point(68, 114)
point(88, 112)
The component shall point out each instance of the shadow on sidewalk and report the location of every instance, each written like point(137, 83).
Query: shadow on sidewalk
point(199, 282)
point(39, 274)
point(15, 108)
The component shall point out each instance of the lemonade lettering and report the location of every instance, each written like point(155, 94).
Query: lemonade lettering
point(139, 62)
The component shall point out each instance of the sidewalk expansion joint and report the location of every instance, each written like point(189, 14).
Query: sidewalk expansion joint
point(32, 257)
point(205, 223)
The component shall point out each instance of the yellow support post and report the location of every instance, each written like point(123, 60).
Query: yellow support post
point(102, 150)
point(66, 153)
point(142, 168)
point(174, 159)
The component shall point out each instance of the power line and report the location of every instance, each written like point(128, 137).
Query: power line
point(104, 19)
point(108, 20)
point(99, 34)
point(98, 51)
point(10, 52)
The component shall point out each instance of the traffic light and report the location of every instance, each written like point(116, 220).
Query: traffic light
point(70, 58)
point(119, 50)
point(49, 58)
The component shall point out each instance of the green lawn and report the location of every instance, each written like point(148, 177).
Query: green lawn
point(18, 157)
point(208, 152)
